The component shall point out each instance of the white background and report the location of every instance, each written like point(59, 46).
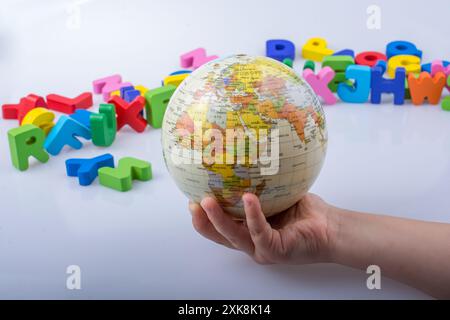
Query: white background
point(141, 244)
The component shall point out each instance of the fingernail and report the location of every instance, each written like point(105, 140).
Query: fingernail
point(204, 204)
point(246, 201)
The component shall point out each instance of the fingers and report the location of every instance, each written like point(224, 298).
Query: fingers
point(260, 229)
point(233, 231)
point(203, 226)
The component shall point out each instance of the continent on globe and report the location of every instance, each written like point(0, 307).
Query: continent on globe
point(245, 124)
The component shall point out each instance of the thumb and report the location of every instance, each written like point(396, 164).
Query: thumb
point(260, 229)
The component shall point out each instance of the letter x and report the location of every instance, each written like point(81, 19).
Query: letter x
point(129, 113)
point(319, 83)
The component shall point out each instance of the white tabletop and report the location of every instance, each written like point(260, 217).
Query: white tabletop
point(140, 244)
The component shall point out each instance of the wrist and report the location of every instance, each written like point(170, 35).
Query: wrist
point(335, 220)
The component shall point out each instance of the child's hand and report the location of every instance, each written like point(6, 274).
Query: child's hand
point(301, 234)
point(313, 231)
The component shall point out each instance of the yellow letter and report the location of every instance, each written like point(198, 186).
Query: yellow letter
point(410, 63)
point(41, 118)
point(316, 49)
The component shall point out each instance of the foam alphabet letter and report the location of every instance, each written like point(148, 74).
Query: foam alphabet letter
point(446, 101)
point(104, 125)
point(309, 65)
point(41, 118)
point(369, 58)
point(19, 111)
point(359, 93)
point(175, 80)
point(68, 105)
point(64, 133)
point(410, 63)
point(396, 48)
point(25, 141)
point(427, 66)
point(381, 85)
point(345, 52)
point(339, 64)
point(195, 58)
point(280, 49)
point(288, 62)
point(319, 83)
point(82, 116)
point(130, 113)
point(426, 86)
point(128, 169)
point(124, 89)
point(108, 84)
point(446, 104)
point(316, 49)
point(142, 90)
point(439, 66)
point(87, 169)
point(156, 102)
point(129, 93)
point(180, 72)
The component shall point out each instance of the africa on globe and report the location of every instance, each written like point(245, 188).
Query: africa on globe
point(244, 124)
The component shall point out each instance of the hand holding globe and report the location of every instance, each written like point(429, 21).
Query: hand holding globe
point(241, 125)
point(301, 234)
point(244, 138)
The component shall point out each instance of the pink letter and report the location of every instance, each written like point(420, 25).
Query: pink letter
point(319, 83)
point(195, 58)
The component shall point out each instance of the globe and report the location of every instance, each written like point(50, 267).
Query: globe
point(244, 124)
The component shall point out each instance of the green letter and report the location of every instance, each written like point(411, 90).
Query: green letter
point(156, 101)
point(26, 141)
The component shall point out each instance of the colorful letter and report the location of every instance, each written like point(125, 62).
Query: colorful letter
point(440, 66)
point(64, 133)
point(410, 63)
point(369, 58)
point(156, 102)
point(195, 58)
point(68, 105)
point(41, 118)
point(20, 110)
point(130, 113)
point(345, 52)
point(359, 93)
point(426, 87)
point(397, 48)
point(128, 169)
point(427, 66)
point(446, 101)
point(82, 116)
point(108, 84)
point(87, 169)
point(104, 125)
point(280, 49)
point(319, 83)
point(339, 64)
point(25, 141)
point(309, 65)
point(381, 85)
point(175, 80)
point(316, 49)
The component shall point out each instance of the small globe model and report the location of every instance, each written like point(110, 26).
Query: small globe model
point(244, 124)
